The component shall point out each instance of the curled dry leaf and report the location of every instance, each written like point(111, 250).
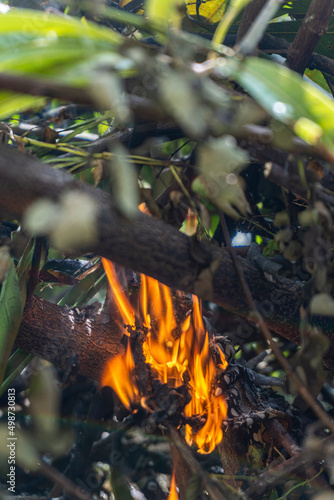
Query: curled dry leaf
point(219, 162)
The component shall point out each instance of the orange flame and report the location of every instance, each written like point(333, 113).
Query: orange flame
point(173, 494)
point(119, 376)
point(171, 350)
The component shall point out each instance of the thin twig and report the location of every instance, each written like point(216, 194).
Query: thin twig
point(257, 317)
point(67, 485)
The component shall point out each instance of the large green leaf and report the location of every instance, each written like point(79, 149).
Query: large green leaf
point(288, 98)
point(46, 25)
point(11, 308)
point(47, 45)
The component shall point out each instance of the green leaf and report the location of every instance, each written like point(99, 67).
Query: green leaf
point(287, 97)
point(84, 289)
point(45, 24)
point(16, 363)
point(44, 44)
point(11, 308)
point(124, 182)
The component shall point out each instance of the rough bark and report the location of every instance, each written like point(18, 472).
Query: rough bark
point(65, 337)
point(314, 26)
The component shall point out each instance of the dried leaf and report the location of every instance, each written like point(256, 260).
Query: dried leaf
point(219, 162)
point(203, 286)
point(322, 304)
point(98, 172)
point(50, 135)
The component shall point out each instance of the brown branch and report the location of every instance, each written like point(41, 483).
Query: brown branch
point(143, 108)
point(314, 26)
point(156, 249)
point(62, 335)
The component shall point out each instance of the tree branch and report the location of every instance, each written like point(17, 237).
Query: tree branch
point(314, 26)
point(156, 249)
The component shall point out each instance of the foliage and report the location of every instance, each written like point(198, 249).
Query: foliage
point(212, 124)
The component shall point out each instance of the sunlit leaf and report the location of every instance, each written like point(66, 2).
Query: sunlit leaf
point(211, 10)
point(45, 24)
point(286, 96)
point(164, 12)
point(43, 44)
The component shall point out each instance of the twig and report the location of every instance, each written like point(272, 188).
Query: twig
point(253, 36)
point(274, 475)
point(67, 485)
point(257, 317)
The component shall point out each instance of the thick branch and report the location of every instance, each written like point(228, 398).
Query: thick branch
point(154, 248)
point(64, 337)
point(314, 26)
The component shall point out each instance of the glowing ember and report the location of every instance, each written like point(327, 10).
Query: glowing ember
point(171, 350)
point(173, 494)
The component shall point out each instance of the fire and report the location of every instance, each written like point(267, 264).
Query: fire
point(171, 349)
point(121, 379)
point(173, 494)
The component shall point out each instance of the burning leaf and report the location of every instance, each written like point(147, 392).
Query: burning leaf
point(178, 352)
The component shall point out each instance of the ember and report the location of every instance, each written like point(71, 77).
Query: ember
point(171, 355)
